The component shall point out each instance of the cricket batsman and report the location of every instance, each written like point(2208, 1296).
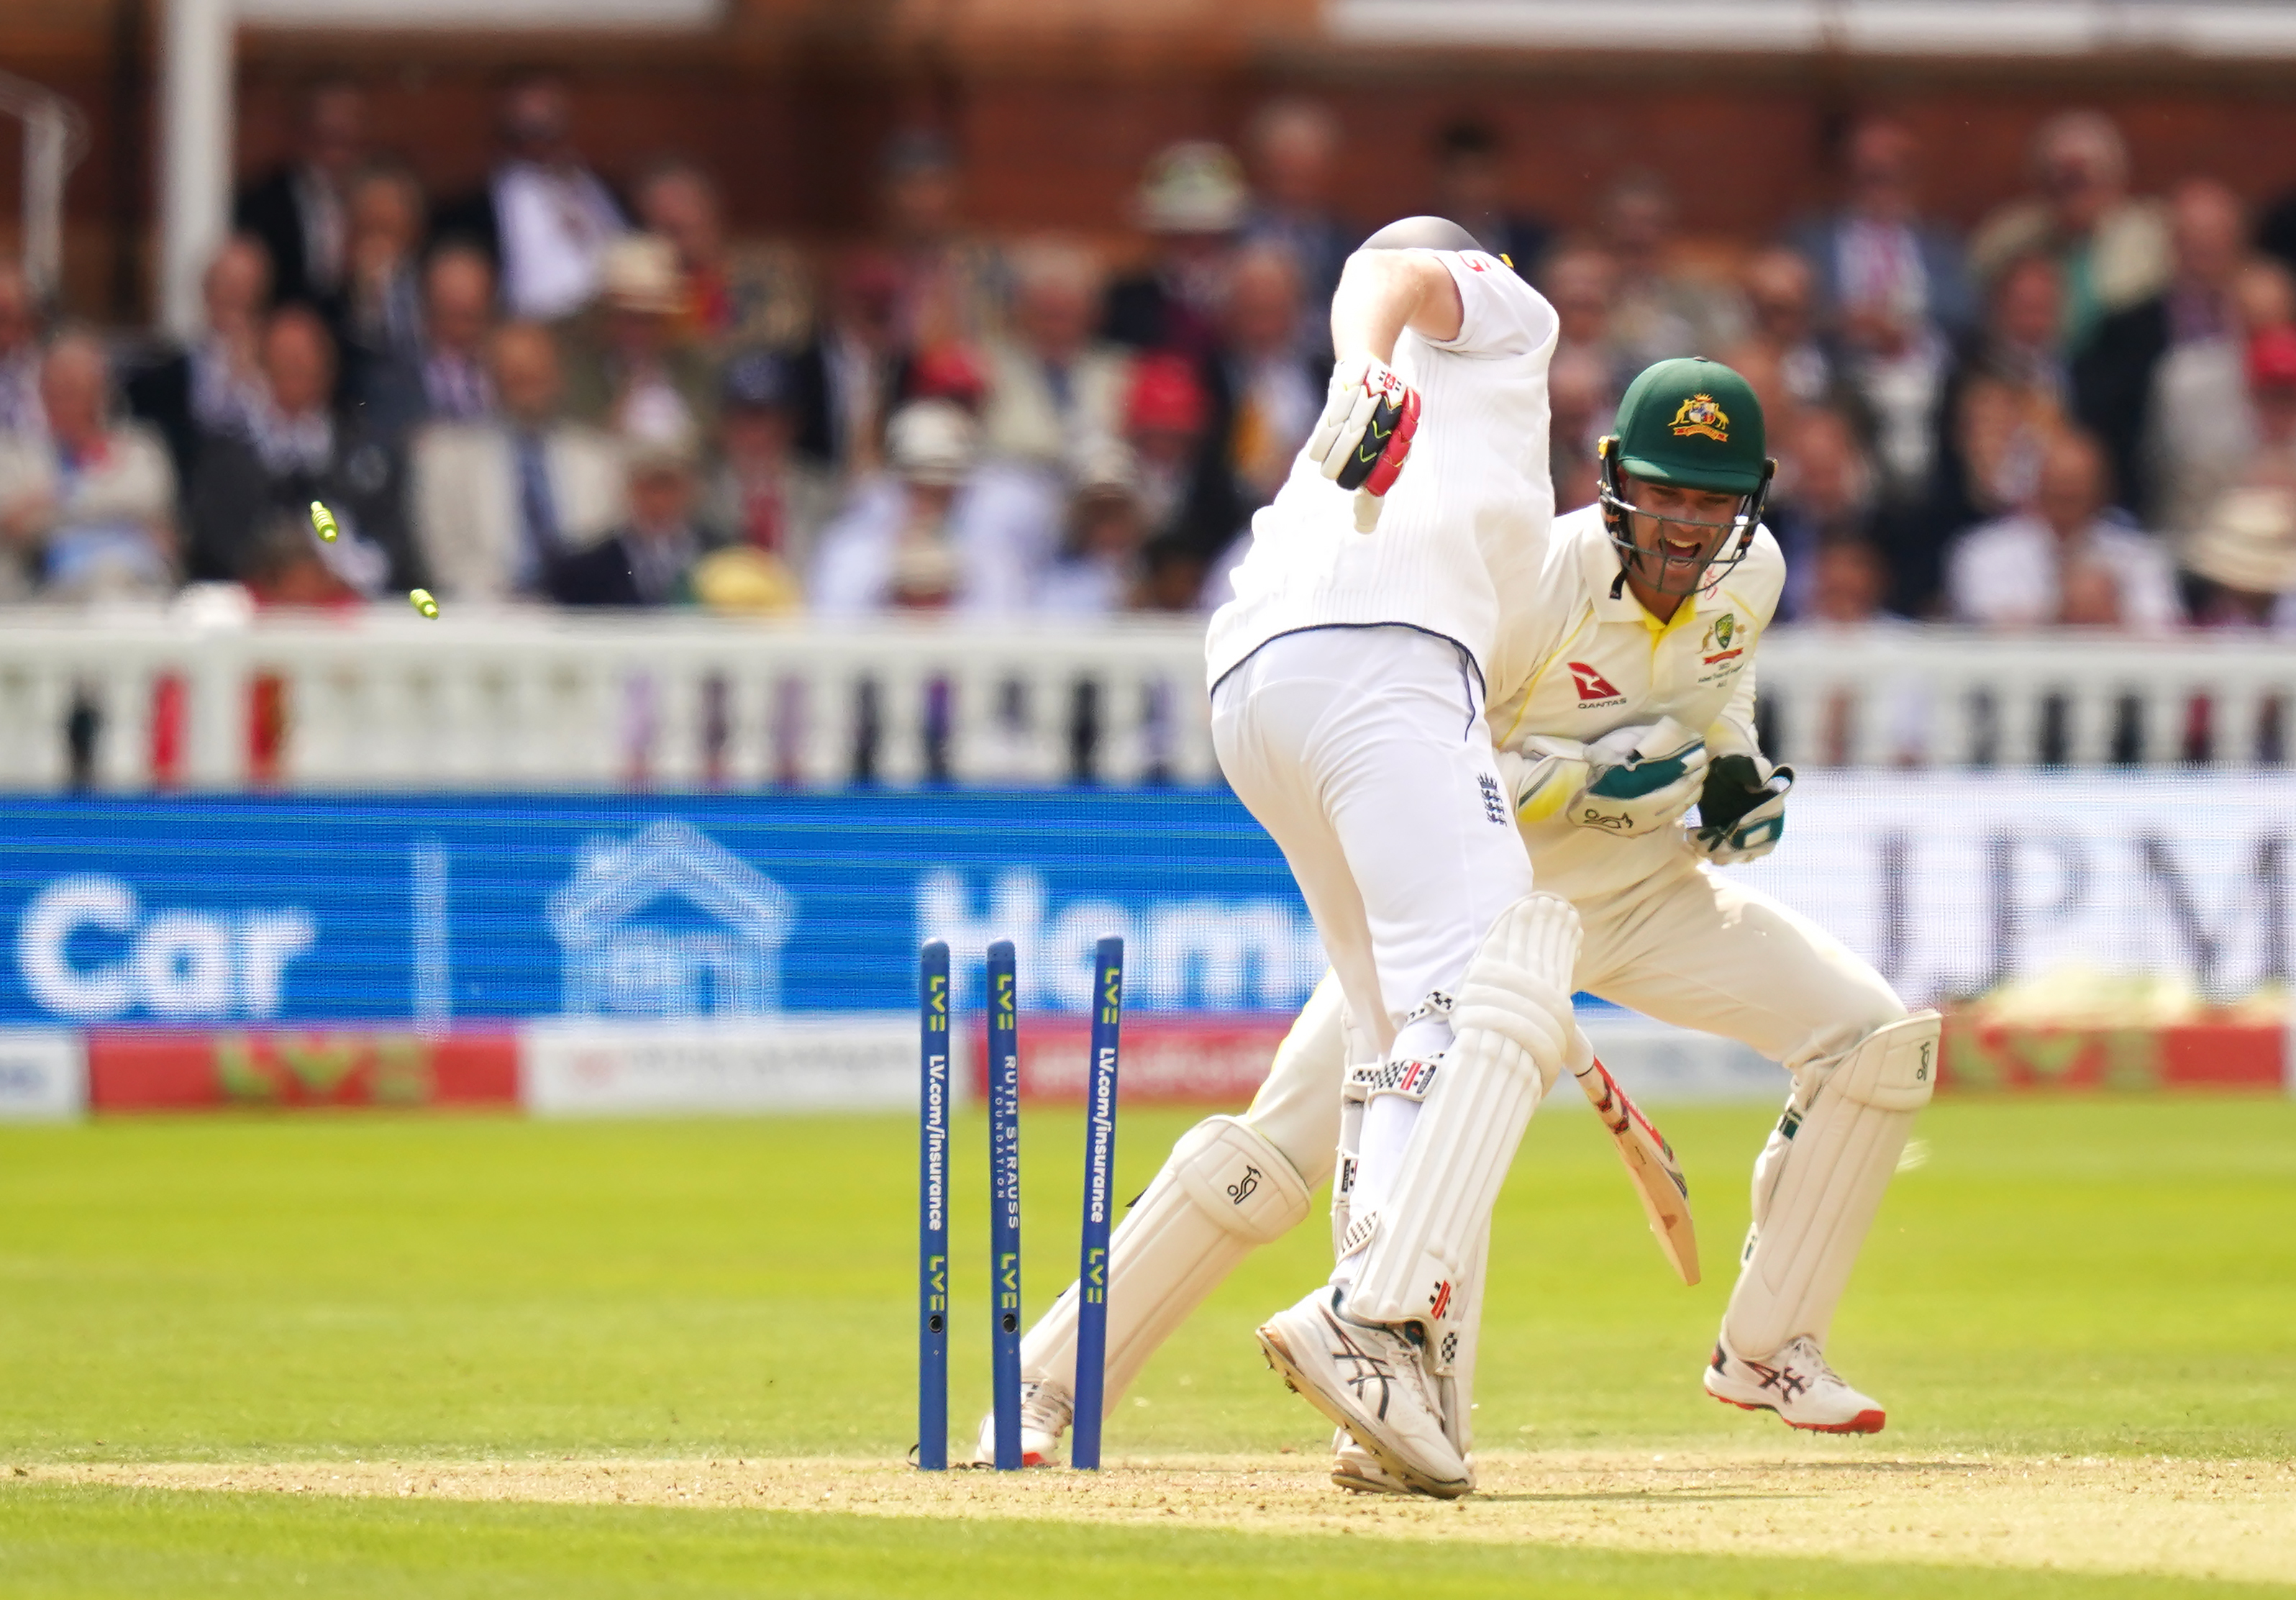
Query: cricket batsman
point(1349, 680)
point(1632, 698)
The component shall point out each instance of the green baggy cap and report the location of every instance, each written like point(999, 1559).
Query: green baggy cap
point(1694, 423)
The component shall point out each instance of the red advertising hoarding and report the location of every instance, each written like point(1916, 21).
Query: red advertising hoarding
point(195, 1069)
point(1981, 1054)
point(1171, 1060)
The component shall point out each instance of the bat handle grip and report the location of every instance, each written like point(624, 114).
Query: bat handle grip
point(1602, 1092)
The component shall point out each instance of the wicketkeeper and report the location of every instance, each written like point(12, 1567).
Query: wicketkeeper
point(1630, 699)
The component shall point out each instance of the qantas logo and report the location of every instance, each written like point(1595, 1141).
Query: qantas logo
point(1594, 688)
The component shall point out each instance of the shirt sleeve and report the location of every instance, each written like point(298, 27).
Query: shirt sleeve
point(1733, 733)
point(1758, 589)
point(1502, 315)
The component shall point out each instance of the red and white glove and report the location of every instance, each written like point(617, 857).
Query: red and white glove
point(1365, 434)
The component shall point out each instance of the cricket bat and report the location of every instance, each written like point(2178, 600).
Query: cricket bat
point(1650, 1162)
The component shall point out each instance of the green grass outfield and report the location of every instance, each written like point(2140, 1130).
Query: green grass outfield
point(2078, 1276)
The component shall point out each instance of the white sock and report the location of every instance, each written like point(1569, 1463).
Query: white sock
point(1423, 1038)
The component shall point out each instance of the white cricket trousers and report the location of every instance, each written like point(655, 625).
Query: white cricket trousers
point(1362, 751)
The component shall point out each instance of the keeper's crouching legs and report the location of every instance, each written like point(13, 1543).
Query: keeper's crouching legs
point(1230, 1186)
point(1817, 1186)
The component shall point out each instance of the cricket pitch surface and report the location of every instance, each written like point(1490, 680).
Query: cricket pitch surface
point(2222, 1520)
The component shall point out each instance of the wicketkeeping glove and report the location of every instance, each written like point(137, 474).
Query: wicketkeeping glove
point(1741, 813)
point(1631, 781)
point(1360, 443)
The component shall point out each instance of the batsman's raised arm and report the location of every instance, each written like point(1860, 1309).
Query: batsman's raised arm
point(1384, 291)
point(1407, 278)
point(1443, 356)
point(1371, 415)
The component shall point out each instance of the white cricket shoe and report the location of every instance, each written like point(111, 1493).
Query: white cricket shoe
point(1368, 1380)
point(1358, 1471)
point(1797, 1384)
point(1045, 1409)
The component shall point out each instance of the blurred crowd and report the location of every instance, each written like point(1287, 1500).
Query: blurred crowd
point(556, 391)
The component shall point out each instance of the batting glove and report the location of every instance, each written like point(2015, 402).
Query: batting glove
point(1631, 781)
point(1741, 812)
point(1360, 443)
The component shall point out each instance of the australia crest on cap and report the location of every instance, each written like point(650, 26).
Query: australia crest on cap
point(1699, 416)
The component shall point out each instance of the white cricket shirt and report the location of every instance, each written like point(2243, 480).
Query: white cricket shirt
point(1461, 536)
point(1586, 660)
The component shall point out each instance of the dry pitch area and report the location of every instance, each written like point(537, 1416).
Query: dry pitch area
point(2225, 1520)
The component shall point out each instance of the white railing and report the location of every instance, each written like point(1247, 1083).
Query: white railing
point(1907, 695)
point(525, 700)
point(533, 700)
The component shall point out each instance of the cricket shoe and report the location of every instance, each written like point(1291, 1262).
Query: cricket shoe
point(1357, 1470)
point(1368, 1380)
point(1797, 1384)
point(1045, 1409)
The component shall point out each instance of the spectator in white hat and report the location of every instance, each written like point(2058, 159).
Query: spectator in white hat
point(2245, 553)
point(935, 531)
point(752, 294)
point(1096, 570)
point(629, 369)
point(2243, 546)
point(1192, 202)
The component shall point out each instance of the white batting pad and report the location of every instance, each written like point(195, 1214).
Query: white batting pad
point(1223, 1192)
point(1513, 1031)
point(1819, 1180)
